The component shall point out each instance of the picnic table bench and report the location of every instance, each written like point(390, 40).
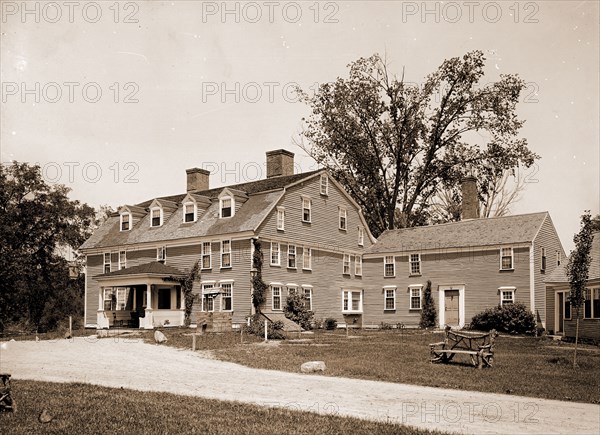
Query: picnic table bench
point(7, 404)
point(479, 347)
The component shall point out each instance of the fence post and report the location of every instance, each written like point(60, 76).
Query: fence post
point(193, 342)
point(70, 326)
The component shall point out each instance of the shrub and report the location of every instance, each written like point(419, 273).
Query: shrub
point(295, 310)
point(385, 325)
point(428, 312)
point(330, 323)
point(510, 318)
point(257, 327)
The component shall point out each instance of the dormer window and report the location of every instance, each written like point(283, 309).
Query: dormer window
point(125, 221)
point(226, 207)
point(156, 217)
point(189, 212)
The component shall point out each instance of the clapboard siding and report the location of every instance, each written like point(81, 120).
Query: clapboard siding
point(550, 310)
point(323, 230)
point(477, 270)
point(94, 267)
point(548, 239)
point(326, 279)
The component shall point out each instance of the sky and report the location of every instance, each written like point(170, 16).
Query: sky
point(116, 99)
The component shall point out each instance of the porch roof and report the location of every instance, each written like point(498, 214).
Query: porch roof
point(153, 268)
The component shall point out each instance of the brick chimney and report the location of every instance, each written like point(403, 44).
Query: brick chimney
point(470, 199)
point(280, 162)
point(197, 179)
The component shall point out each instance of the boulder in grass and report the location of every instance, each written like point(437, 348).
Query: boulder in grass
point(159, 337)
point(313, 367)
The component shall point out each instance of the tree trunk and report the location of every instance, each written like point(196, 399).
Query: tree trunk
point(576, 339)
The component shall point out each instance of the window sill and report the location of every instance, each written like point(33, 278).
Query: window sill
point(275, 265)
point(343, 229)
point(306, 222)
point(389, 309)
point(415, 309)
point(389, 276)
point(292, 268)
point(507, 270)
point(351, 312)
point(414, 274)
point(308, 269)
point(226, 267)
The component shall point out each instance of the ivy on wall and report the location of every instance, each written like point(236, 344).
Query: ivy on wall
point(259, 287)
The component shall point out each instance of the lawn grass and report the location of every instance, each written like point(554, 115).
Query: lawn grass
point(90, 409)
point(525, 366)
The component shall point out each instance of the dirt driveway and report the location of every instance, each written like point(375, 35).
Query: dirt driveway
point(119, 362)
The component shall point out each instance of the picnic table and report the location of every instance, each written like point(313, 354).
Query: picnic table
point(479, 347)
point(7, 404)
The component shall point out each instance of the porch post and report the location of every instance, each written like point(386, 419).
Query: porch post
point(148, 323)
point(181, 306)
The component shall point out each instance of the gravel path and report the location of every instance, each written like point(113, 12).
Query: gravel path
point(118, 362)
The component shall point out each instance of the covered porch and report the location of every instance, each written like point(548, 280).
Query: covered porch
point(142, 296)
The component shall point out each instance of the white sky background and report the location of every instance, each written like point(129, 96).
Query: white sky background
point(182, 57)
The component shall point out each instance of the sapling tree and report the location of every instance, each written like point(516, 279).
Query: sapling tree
point(578, 271)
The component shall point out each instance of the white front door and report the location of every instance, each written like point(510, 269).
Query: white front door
point(451, 305)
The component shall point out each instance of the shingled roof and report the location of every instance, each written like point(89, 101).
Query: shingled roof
point(263, 195)
point(559, 275)
point(474, 232)
point(152, 268)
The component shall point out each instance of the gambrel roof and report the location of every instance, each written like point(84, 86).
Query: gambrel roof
point(263, 195)
point(559, 275)
point(469, 233)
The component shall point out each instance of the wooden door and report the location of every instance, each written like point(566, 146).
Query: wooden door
point(451, 307)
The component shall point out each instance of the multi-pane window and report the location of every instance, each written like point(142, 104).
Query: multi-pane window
point(389, 299)
point(226, 207)
point(591, 305)
point(110, 299)
point(106, 262)
point(308, 298)
point(306, 258)
point(507, 296)
point(415, 298)
point(189, 212)
point(226, 297)
point(206, 255)
point(415, 264)
point(506, 258)
point(208, 300)
point(352, 301)
point(358, 265)
point(361, 236)
point(292, 256)
point(155, 217)
point(346, 264)
point(558, 258)
point(276, 297)
point(125, 221)
point(343, 217)
point(117, 299)
point(543, 254)
point(122, 260)
point(324, 187)
point(275, 260)
point(389, 266)
point(306, 209)
point(161, 254)
point(280, 218)
point(226, 253)
point(122, 299)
